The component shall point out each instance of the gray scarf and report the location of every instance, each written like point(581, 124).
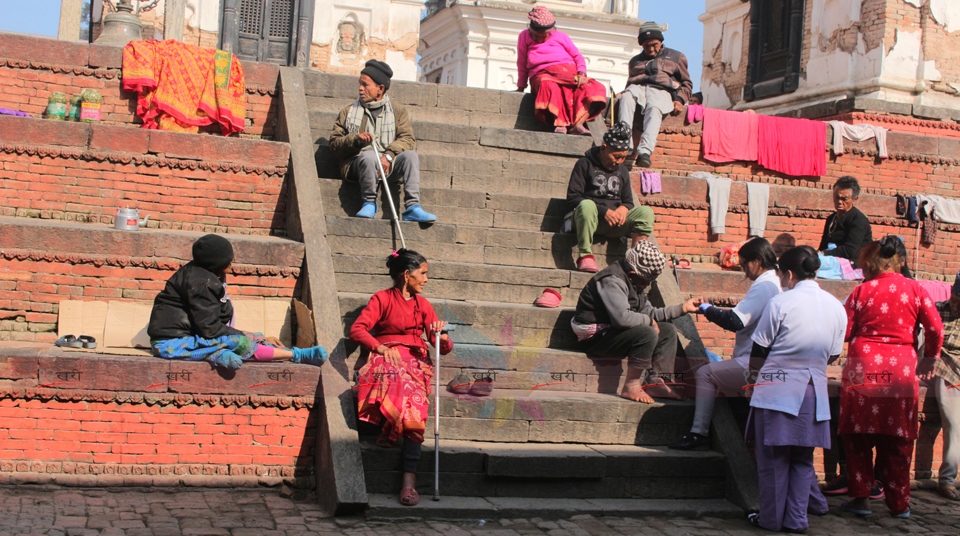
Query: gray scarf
point(383, 128)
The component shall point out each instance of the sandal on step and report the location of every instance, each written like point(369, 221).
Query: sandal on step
point(87, 341)
point(69, 341)
point(409, 496)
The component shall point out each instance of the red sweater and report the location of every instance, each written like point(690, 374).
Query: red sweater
point(395, 319)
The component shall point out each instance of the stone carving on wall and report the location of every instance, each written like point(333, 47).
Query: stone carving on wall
point(627, 8)
point(349, 36)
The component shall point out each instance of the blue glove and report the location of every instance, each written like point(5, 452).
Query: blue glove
point(229, 361)
point(316, 355)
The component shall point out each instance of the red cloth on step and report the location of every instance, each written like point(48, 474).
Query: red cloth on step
point(729, 136)
point(796, 147)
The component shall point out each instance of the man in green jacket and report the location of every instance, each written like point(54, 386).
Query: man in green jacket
point(374, 119)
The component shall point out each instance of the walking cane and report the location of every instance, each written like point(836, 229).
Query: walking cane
point(436, 417)
point(386, 191)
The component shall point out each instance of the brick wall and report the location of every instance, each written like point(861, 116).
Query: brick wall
point(33, 67)
point(134, 421)
point(82, 172)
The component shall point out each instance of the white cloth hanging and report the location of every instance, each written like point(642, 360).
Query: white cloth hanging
point(860, 132)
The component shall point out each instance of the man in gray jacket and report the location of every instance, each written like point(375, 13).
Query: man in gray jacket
point(614, 318)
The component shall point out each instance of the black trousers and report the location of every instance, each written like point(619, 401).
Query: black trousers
point(643, 346)
point(410, 455)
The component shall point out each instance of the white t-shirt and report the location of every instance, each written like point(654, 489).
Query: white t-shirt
point(749, 310)
point(802, 327)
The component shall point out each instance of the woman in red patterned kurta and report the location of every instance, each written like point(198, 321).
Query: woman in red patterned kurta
point(393, 388)
point(879, 389)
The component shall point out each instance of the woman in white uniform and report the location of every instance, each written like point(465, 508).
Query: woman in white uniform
point(790, 413)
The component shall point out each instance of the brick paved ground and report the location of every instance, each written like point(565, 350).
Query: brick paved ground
point(103, 512)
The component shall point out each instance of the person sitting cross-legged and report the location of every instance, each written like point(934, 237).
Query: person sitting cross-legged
point(601, 199)
point(615, 319)
point(373, 119)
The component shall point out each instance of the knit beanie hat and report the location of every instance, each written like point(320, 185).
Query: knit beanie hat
point(619, 137)
point(212, 252)
point(646, 260)
point(541, 18)
point(956, 286)
point(649, 30)
point(379, 72)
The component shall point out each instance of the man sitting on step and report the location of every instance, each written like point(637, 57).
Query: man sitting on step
point(659, 83)
point(601, 198)
point(615, 319)
point(374, 119)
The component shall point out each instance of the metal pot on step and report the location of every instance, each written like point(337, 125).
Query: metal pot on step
point(128, 219)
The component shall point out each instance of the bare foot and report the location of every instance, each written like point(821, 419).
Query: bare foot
point(634, 391)
point(657, 388)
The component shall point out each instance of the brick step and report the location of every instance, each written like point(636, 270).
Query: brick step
point(71, 238)
point(464, 281)
point(465, 243)
point(534, 416)
point(537, 470)
point(384, 507)
point(489, 323)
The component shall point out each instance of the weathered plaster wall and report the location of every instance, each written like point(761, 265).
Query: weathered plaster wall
point(940, 20)
point(726, 36)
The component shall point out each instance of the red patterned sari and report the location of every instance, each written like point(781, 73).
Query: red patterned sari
point(560, 102)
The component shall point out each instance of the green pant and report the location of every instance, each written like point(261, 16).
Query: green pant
point(587, 223)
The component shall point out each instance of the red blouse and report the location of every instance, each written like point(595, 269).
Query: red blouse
point(395, 319)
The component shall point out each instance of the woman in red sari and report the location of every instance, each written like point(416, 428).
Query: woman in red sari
point(393, 388)
point(565, 97)
point(879, 389)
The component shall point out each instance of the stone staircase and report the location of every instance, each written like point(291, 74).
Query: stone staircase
point(554, 426)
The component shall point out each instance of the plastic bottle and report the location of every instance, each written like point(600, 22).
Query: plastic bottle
point(90, 106)
point(57, 106)
point(73, 114)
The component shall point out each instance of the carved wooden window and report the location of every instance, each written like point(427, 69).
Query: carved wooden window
point(776, 38)
point(273, 31)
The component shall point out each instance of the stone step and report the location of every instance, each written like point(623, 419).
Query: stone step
point(66, 238)
point(469, 207)
point(537, 470)
point(535, 416)
point(499, 324)
point(464, 281)
point(729, 286)
point(386, 508)
point(466, 243)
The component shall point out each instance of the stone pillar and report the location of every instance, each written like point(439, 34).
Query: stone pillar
point(70, 20)
point(174, 12)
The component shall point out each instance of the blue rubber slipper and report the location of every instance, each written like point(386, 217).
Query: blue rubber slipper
point(69, 341)
point(856, 511)
point(902, 515)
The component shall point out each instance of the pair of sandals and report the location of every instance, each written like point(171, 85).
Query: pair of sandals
point(461, 384)
point(72, 341)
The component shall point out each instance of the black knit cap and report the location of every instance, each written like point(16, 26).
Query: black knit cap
point(649, 30)
point(212, 252)
point(379, 72)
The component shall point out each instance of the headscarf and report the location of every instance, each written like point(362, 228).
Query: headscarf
point(649, 30)
point(541, 18)
point(619, 137)
point(646, 260)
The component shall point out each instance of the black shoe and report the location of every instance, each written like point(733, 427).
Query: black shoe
point(876, 492)
point(643, 160)
point(838, 486)
point(690, 441)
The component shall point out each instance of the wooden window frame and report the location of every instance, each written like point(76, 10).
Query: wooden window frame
point(759, 86)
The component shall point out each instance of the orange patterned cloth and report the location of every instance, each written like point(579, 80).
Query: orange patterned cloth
point(182, 87)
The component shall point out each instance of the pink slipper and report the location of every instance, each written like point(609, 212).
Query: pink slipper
point(560, 130)
point(580, 130)
point(550, 298)
point(587, 264)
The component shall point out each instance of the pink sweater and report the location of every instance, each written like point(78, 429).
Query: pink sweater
point(533, 57)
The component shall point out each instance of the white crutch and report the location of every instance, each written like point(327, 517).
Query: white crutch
point(436, 417)
point(386, 191)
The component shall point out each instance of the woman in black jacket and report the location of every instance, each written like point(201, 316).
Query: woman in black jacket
point(192, 315)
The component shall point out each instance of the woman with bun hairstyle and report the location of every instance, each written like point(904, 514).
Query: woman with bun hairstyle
point(393, 388)
point(798, 332)
point(879, 389)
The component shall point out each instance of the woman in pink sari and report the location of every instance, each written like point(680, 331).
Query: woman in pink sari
point(565, 96)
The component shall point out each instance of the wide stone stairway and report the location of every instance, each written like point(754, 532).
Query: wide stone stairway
point(554, 427)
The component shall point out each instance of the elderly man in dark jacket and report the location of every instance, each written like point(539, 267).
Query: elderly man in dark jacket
point(601, 199)
point(374, 119)
point(615, 319)
point(659, 83)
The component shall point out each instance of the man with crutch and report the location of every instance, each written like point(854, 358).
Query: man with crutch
point(374, 126)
